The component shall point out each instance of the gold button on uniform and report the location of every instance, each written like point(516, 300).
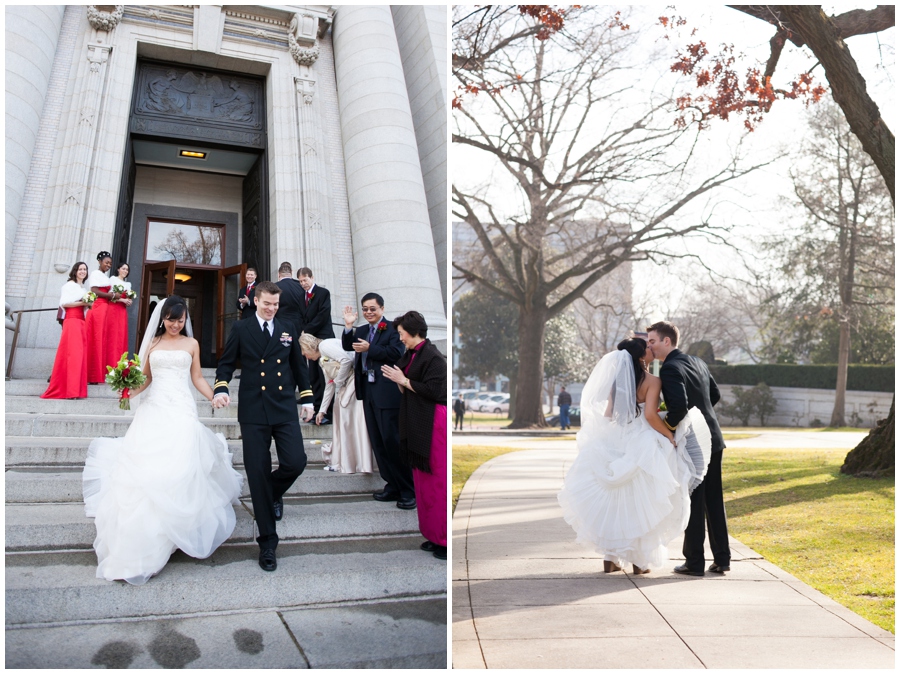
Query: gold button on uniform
point(262, 374)
point(263, 388)
point(279, 374)
point(262, 361)
point(279, 388)
point(278, 361)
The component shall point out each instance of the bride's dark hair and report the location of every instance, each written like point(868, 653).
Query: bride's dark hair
point(174, 308)
point(636, 348)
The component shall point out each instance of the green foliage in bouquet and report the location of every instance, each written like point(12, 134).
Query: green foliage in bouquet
point(124, 377)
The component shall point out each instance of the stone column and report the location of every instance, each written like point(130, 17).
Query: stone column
point(393, 247)
point(32, 36)
point(82, 151)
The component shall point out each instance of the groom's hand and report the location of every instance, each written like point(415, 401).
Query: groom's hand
point(306, 412)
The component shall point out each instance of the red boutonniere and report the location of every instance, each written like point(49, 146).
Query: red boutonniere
point(381, 327)
point(311, 295)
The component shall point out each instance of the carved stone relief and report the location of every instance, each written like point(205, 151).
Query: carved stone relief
point(196, 94)
point(104, 20)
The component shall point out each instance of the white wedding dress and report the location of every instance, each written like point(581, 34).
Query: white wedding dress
point(627, 494)
point(167, 484)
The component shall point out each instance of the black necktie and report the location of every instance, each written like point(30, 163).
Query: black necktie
point(266, 328)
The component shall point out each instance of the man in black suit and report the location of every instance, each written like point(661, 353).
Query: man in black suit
point(272, 366)
point(377, 343)
point(245, 303)
point(316, 320)
point(290, 307)
point(686, 383)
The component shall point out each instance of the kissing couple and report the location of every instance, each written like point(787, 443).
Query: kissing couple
point(642, 476)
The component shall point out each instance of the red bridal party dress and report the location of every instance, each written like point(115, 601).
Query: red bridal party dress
point(116, 336)
point(96, 323)
point(69, 377)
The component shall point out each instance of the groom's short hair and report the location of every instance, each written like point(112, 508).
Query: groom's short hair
point(665, 329)
point(267, 287)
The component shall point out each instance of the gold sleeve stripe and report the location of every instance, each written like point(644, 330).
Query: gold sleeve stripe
point(308, 392)
point(666, 422)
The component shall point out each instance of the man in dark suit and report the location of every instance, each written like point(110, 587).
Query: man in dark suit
point(290, 307)
point(272, 366)
point(686, 383)
point(377, 343)
point(245, 303)
point(316, 320)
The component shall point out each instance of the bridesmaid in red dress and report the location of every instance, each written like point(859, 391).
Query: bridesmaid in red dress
point(116, 341)
point(100, 284)
point(69, 378)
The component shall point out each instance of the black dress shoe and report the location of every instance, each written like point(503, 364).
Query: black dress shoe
point(406, 503)
point(279, 510)
point(267, 560)
point(385, 495)
point(685, 571)
point(428, 546)
point(719, 568)
point(441, 552)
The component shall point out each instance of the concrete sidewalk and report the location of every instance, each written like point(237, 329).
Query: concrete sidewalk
point(526, 595)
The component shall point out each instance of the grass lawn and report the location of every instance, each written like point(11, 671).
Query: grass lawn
point(834, 532)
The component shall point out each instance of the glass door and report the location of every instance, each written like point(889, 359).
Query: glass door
point(228, 282)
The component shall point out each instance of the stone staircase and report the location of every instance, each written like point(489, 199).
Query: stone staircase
point(342, 555)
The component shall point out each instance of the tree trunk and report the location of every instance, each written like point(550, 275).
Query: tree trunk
point(840, 390)
point(513, 378)
point(874, 456)
point(529, 383)
point(847, 86)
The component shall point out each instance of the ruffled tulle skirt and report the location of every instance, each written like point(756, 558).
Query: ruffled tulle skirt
point(627, 494)
point(167, 484)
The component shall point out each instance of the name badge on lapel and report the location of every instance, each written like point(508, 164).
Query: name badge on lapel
point(286, 339)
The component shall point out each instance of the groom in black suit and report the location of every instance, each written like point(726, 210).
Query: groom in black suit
point(686, 383)
point(272, 366)
point(377, 343)
point(316, 321)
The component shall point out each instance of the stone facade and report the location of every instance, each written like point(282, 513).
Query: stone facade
point(354, 133)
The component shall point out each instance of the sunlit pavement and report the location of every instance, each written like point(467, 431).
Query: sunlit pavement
point(526, 596)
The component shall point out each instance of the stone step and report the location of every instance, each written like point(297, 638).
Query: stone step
point(64, 486)
point(51, 452)
point(94, 426)
point(62, 587)
point(64, 526)
point(35, 387)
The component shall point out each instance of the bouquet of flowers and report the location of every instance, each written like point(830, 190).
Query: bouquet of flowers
point(126, 375)
point(89, 298)
point(130, 294)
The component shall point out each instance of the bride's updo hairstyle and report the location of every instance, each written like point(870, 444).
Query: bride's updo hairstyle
point(636, 348)
point(173, 308)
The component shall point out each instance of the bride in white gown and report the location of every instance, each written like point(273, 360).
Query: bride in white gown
point(627, 494)
point(169, 482)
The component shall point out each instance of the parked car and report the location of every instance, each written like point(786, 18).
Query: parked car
point(496, 403)
point(474, 403)
point(574, 417)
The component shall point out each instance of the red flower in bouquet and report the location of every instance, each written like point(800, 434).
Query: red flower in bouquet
point(124, 377)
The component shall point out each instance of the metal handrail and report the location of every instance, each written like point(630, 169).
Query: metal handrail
point(12, 350)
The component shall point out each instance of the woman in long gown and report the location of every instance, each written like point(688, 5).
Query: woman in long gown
point(101, 285)
point(421, 374)
point(116, 340)
point(627, 494)
point(168, 483)
point(69, 376)
point(350, 450)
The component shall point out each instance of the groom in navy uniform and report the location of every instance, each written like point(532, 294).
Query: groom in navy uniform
point(687, 383)
point(272, 366)
point(377, 343)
